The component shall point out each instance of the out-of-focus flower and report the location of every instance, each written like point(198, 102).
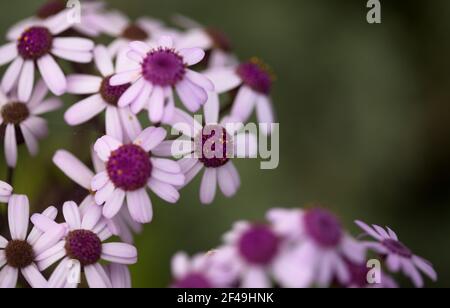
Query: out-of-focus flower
point(204, 149)
point(253, 81)
point(130, 169)
point(207, 270)
point(317, 247)
point(19, 255)
point(218, 46)
point(398, 256)
point(121, 225)
point(89, 11)
point(83, 244)
point(20, 121)
point(37, 45)
point(359, 278)
point(253, 248)
point(157, 71)
point(5, 192)
point(121, 123)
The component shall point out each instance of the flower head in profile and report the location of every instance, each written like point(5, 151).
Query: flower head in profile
point(253, 81)
point(317, 248)
point(6, 191)
point(203, 271)
point(398, 256)
point(37, 46)
point(82, 248)
point(20, 121)
point(254, 249)
point(132, 168)
point(158, 70)
point(19, 255)
point(121, 123)
point(211, 147)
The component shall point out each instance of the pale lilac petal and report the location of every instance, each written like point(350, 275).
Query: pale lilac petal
point(105, 145)
point(59, 23)
point(73, 168)
point(125, 77)
point(212, 108)
point(151, 138)
point(393, 263)
point(165, 191)
point(99, 181)
point(30, 140)
point(168, 178)
point(83, 84)
point(187, 164)
point(142, 100)
point(91, 218)
point(295, 269)
point(51, 255)
point(255, 277)
point(195, 38)
point(119, 253)
point(26, 81)
point(353, 250)
point(193, 172)
point(10, 145)
point(18, 216)
point(166, 42)
point(140, 206)
point(73, 43)
point(96, 277)
point(265, 113)
point(200, 80)
point(132, 93)
point(156, 105)
point(37, 125)
point(40, 92)
point(209, 186)
point(43, 222)
point(8, 53)
point(8, 277)
point(244, 104)
point(381, 232)
point(180, 265)
point(192, 96)
point(131, 124)
point(73, 56)
point(103, 61)
point(49, 239)
point(366, 228)
point(224, 79)
point(113, 124)
point(59, 277)
point(411, 271)
point(104, 193)
point(192, 56)
point(12, 75)
point(72, 215)
point(229, 180)
point(50, 213)
point(140, 47)
point(46, 106)
point(325, 267)
point(120, 276)
point(114, 204)
point(52, 74)
point(166, 165)
point(392, 234)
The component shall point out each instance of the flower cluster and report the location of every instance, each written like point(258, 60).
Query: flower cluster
point(299, 249)
point(170, 74)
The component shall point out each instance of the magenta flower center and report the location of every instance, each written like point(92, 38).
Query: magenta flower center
point(35, 43)
point(129, 167)
point(358, 274)
point(323, 227)
point(163, 67)
point(256, 76)
point(397, 248)
point(84, 246)
point(193, 281)
point(14, 113)
point(19, 254)
point(50, 8)
point(259, 245)
point(135, 33)
point(112, 94)
point(214, 146)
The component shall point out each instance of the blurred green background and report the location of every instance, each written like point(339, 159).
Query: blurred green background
point(365, 124)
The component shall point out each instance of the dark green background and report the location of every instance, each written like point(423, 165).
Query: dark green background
point(364, 113)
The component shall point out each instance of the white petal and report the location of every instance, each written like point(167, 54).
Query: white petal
point(52, 74)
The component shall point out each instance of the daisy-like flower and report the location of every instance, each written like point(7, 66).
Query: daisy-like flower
point(398, 256)
point(90, 9)
point(218, 46)
point(37, 45)
point(203, 271)
point(130, 169)
point(20, 121)
point(253, 248)
point(83, 244)
point(254, 81)
point(159, 69)
point(317, 248)
point(122, 225)
point(5, 192)
point(119, 26)
point(204, 150)
point(19, 254)
point(121, 123)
